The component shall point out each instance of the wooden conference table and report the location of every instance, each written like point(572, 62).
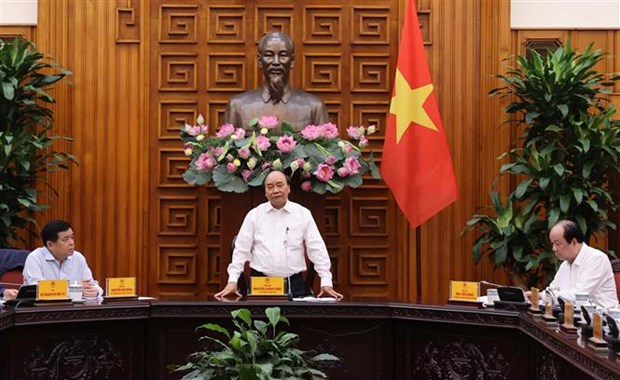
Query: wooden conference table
point(137, 340)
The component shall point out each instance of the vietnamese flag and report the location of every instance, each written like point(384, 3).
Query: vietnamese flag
point(416, 162)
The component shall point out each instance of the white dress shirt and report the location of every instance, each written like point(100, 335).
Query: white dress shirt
point(42, 265)
point(589, 273)
point(273, 241)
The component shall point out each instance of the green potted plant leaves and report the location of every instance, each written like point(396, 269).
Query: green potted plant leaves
point(25, 77)
point(254, 351)
point(564, 161)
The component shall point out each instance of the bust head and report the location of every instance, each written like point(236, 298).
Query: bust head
point(276, 57)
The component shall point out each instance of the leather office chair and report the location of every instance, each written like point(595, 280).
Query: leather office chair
point(615, 266)
point(11, 265)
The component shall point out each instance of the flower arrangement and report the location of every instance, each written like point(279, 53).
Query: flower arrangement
point(236, 158)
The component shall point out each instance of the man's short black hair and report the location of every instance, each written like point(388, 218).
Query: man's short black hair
point(51, 229)
point(572, 231)
point(290, 45)
point(288, 179)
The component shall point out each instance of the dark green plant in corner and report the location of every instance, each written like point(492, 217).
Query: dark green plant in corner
point(254, 351)
point(25, 77)
point(564, 163)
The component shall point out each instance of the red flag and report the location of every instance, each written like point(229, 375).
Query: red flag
point(416, 162)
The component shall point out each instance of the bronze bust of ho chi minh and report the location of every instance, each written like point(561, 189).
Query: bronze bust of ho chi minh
point(276, 58)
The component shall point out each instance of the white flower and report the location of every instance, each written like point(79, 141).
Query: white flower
point(188, 151)
point(307, 166)
point(294, 165)
point(200, 137)
point(371, 129)
point(237, 163)
point(252, 163)
point(200, 120)
point(341, 144)
point(277, 164)
point(263, 131)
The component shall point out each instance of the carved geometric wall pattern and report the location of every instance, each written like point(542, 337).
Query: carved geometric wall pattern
point(127, 25)
point(368, 216)
point(206, 54)
point(370, 25)
point(332, 220)
point(322, 72)
point(217, 108)
point(213, 264)
point(214, 218)
point(177, 264)
point(368, 113)
point(226, 24)
point(226, 72)
point(174, 114)
point(178, 24)
point(177, 215)
point(334, 111)
point(274, 18)
point(322, 25)
point(370, 73)
point(172, 164)
point(368, 264)
point(178, 72)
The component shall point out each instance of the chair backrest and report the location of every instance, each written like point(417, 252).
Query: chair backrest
point(615, 266)
point(11, 265)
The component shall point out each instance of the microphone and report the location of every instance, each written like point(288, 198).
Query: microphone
point(484, 282)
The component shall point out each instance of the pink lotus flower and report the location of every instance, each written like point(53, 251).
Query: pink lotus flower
point(363, 141)
point(324, 172)
point(263, 143)
point(329, 131)
point(330, 160)
point(240, 133)
point(306, 186)
point(205, 162)
point(244, 153)
point(269, 122)
point(230, 167)
point(311, 132)
point(353, 132)
point(225, 130)
point(196, 129)
point(352, 165)
point(265, 165)
point(286, 144)
point(342, 172)
point(348, 148)
point(218, 151)
point(245, 174)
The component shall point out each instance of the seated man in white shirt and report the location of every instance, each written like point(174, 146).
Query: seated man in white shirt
point(273, 237)
point(584, 269)
point(58, 259)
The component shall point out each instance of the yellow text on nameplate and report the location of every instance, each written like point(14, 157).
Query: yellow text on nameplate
point(467, 291)
point(121, 287)
point(53, 290)
point(267, 286)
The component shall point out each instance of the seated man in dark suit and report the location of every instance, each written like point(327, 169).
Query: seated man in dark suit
point(11, 259)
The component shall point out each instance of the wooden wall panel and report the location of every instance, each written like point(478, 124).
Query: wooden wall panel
point(103, 111)
point(142, 68)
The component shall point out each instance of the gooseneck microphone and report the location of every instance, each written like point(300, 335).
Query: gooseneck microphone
point(484, 282)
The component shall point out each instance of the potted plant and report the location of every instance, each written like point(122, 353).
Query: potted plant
point(564, 162)
point(254, 351)
point(25, 151)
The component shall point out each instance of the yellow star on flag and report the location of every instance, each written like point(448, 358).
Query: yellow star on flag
point(407, 105)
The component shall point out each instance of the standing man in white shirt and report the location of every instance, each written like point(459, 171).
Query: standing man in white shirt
point(58, 259)
point(273, 238)
point(584, 269)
